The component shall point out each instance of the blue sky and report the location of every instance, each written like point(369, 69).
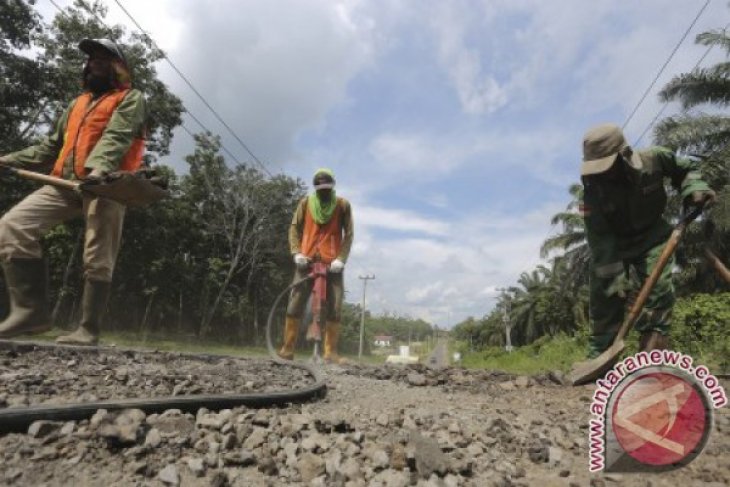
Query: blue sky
point(454, 127)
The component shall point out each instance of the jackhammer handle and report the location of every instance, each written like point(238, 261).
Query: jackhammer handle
point(651, 281)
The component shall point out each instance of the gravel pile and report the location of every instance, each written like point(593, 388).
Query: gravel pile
point(61, 376)
point(378, 426)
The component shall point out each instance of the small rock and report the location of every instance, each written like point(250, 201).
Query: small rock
point(256, 438)
point(350, 469)
point(68, 428)
point(398, 460)
point(267, 466)
point(138, 467)
point(241, 458)
point(169, 475)
point(380, 459)
point(220, 479)
point(428, 456)
point(153, 438)
point(41, 429)
point(310, 466)
point(382, 419)
point(522, 381)
point(196, 466)
point(416, 379)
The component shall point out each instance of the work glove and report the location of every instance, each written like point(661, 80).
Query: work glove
point(704, 198)
point(301, 261)
point(337, 266)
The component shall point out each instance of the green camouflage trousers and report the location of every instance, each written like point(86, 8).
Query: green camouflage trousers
point(608, 298)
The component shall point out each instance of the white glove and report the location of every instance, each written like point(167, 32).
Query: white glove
point(301, 261)
point(336, 266)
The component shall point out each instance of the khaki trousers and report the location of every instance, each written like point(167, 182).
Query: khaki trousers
point(22, 227)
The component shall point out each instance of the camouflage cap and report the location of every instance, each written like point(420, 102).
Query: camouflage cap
point(601, 145)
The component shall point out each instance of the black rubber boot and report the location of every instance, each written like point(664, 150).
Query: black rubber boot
point(93, 305)
point(26, 280)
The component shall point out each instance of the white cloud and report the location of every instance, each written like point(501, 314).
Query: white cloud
point(478, 91)
point(400, 220)
point(433, 277)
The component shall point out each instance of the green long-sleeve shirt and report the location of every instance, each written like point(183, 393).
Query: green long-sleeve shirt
point(126, 123)
point(623, 215)
point(296, 229)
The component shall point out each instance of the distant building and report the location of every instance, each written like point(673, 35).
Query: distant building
point(383, 341)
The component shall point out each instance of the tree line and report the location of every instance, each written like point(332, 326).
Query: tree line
point(208, 261)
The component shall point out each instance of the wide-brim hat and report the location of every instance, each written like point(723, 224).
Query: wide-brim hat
point(601, 145)
point(92, 46)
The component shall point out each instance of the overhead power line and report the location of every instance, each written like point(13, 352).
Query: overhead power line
point(666, 103)
point(195, 90)
point(671, 55)
point(196, 119)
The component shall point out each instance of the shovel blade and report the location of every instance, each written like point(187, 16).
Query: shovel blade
point(591, 370)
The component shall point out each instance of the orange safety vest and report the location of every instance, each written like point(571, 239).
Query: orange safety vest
point(322, 242)
point(85, 126)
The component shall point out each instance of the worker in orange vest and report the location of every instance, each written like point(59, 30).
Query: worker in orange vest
point(321, 230)
point(101, 131)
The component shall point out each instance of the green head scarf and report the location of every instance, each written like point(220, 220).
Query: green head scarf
point(321, 211)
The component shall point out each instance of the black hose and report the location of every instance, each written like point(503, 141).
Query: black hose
point(270, 344)
point(19, 419)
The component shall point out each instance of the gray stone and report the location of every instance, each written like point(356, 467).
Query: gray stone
point(196, 466)
point(351, 469)
point(42, 429)
point(428, 456)
point(416, 379)
point(169, 475)
point(241, 458)
point(310, 466)
point(256, 438)
point(153, 438)
point(391, 478)
point(68, 428)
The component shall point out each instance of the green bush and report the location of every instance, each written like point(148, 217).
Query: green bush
point(700, 328)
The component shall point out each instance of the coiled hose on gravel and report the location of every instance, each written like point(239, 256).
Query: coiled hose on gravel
point(19, 419)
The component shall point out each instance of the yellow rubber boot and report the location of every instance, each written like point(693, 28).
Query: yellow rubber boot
point(291, 330)
point(331, 336)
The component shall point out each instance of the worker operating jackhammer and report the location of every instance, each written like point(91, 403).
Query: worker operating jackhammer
point(321, 231)
point(100, 132)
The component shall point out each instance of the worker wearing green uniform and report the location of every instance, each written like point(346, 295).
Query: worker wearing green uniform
point(624, 199)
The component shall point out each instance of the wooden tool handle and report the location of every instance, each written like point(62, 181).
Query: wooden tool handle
point(717, 264)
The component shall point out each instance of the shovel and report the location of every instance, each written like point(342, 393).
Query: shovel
point(139, 188)
point(590, 370)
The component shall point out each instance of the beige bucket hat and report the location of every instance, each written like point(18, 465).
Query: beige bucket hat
point(601, 145)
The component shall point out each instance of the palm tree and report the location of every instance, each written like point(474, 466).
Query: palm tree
point(707, 137)
point(525, 304)
point(571, 242)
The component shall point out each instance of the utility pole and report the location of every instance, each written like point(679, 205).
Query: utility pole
point(365, 280)
point(506, 319)
point(507, 327)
